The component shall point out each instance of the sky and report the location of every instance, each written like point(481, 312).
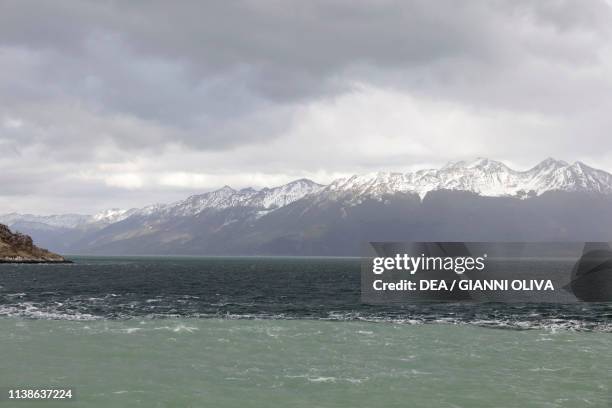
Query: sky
point(113, 104)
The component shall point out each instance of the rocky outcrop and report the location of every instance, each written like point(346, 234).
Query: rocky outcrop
point(19, 248)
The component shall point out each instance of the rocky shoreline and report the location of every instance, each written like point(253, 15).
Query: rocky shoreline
point(19, 248)
point(32, 261)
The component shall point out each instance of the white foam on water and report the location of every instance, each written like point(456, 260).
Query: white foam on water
point(322, 379)
point(131, 330)
point(69, 310)
point(180, 328)
point(31, 311)
point(538, 369)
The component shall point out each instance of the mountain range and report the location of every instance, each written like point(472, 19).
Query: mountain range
point(468, 200)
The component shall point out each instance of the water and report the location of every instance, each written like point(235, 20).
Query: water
point(256, 332)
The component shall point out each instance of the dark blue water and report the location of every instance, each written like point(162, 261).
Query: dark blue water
point(279, 288)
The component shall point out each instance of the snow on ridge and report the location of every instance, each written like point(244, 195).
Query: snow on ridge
point(55, 220)
point(265, 200)
point(482, 176)
point(111, 215)
point(68, 220)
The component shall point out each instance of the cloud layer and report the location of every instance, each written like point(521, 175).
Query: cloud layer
point(120, 104)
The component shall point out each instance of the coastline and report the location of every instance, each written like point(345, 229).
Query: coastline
point(16, 247)
point(35, 261)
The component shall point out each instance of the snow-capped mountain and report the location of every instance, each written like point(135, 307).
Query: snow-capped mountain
point(264, 200)
point(111, 215)
point(101, 218)
point(481, 176)
point(306, 218)
point(58, 221)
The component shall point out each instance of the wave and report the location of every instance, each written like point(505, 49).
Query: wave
point(512, 321)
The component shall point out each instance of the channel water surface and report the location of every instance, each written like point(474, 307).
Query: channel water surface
point(278, 332)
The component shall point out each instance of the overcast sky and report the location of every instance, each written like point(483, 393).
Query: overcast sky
point(122, 104)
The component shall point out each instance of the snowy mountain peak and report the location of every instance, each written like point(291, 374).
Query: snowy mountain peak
point(283, 195)
point(67, 220)
point(481, 176)
point(265, 199)
point(111, 215)
point(56, 221)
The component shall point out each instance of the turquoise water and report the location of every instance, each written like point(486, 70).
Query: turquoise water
point(284, 332)
point(191, 362)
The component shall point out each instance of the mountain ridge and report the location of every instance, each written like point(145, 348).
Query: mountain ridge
point(480, 199)
point(482, 176)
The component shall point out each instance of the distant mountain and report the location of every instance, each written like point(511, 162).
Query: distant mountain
point(476, 200)
point(18, 248)
point(68, 220)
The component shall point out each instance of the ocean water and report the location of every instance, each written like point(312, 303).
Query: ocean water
point(258, 332)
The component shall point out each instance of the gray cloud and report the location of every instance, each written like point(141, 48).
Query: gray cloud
point(126, 102)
